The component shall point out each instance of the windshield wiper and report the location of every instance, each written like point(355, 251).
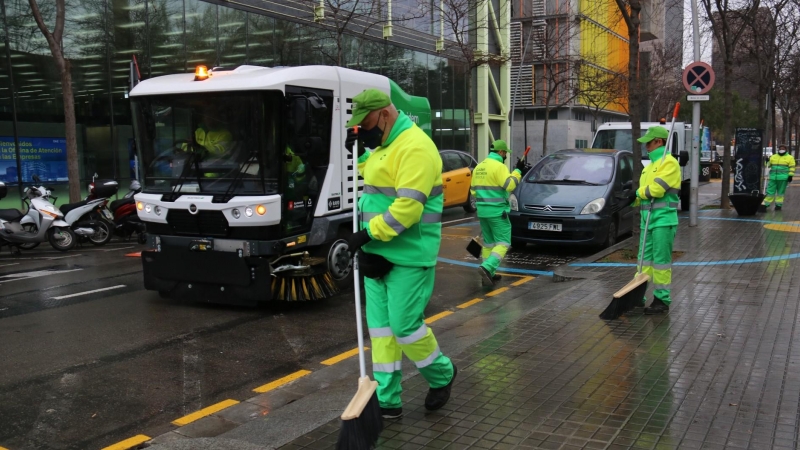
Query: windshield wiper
point(192, 160)
point(566, 181)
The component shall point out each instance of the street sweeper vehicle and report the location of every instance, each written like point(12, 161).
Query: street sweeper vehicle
point(247, 193)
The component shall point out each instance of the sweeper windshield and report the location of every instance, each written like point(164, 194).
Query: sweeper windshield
point(209, 143)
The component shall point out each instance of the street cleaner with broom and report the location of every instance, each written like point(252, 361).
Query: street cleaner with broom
point(399, 239)
point(659, 189)
point(491, 185)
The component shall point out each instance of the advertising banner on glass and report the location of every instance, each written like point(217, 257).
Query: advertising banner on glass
point(45, 157)
point(747, 161)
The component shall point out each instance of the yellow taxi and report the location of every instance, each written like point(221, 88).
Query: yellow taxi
point(457, 169)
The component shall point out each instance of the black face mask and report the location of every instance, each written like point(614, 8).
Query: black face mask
point(371, 137)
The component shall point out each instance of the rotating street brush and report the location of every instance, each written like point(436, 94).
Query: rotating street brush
point(308, 284)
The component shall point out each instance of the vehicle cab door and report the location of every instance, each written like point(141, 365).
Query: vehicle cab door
point(623, 185)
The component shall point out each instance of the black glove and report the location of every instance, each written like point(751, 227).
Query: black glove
point(357, 240)
point(352, 139)
point(521, 165)
point(790, 179)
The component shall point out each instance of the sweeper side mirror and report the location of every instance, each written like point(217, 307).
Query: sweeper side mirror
point(683, 158)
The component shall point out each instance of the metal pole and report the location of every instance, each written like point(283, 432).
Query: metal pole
point(13, 105)
point(694, 160)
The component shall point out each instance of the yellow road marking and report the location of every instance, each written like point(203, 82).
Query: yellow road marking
point(342, 356)
point(497, 291)
point(522, 281)
point(470, 303)
point(442, 314)
point(207, 411)
point(500, 271)
point(281, 381)
point(122, 445)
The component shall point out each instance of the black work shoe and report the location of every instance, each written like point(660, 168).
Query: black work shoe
point(497, 277)
point(391, 413)
point(656, 307)
point(486, 277)
point(438, 397)
point(778, 207)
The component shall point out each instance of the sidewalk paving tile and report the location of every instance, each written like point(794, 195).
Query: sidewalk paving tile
point(721, 370)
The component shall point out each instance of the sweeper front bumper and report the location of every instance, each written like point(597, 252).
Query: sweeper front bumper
point(230, 271)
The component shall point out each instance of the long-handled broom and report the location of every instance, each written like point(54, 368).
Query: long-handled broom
point(632, 293)
point(362, 421)
point(474, 247)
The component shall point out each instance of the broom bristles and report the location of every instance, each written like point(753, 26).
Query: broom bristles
point(626, 298)
point(362, 421)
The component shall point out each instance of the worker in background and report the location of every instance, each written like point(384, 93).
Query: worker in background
point(401, 226)
point(781, 170)
point(491, 185)
point(659, 190)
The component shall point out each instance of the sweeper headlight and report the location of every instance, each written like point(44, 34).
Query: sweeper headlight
point(594, 206)
point(261, 210)
point(139, 206)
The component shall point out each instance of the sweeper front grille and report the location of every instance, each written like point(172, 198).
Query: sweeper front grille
point(204, 223)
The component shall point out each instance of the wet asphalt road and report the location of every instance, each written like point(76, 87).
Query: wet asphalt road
point(86, 371)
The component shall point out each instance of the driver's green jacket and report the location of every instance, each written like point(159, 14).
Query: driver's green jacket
point(215, 141)
point(660, 184)
point(401, 206)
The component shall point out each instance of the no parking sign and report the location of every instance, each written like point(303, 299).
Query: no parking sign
point(698, 78)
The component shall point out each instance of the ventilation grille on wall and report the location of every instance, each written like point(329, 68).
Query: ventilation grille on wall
point(523, 94)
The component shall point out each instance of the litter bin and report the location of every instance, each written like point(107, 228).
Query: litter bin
point(705, 171)
point(746, 204)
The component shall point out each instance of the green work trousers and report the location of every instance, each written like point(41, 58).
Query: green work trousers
point(775, 191)
point(496, 241)
point(395, 317)
point(657, 259)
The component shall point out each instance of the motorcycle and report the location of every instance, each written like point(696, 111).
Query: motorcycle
point(89, 219)
point(42, 222)
point(125, 216)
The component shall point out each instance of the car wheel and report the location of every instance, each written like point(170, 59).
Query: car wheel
point(518, 244)
point(471, 205)
point(611, 236)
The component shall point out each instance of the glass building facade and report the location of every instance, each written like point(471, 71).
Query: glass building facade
point(172, 36)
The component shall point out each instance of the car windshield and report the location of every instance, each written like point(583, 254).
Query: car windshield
point(209, 143)
point(563, 168)
point(617, 140)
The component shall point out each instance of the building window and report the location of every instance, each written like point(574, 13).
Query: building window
point(581, 143)
point(579, 115)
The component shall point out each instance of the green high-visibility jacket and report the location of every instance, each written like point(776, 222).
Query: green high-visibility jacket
point(401, 206)
point(781, 167)
point(661, 183)
point(491, 185)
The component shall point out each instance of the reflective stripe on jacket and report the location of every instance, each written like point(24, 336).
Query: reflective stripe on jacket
point(491, 185)
point(781, 167)
point(660, 183)
point(401, 206)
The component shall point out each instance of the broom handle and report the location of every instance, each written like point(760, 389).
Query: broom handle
point(362, 365)
point(650, 210)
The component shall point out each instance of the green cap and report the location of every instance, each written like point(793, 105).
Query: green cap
point(499, 146)
point(365, 102)
point(655, 132)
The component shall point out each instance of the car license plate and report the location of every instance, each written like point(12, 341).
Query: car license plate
point(201, 245)
point(542, 226)
point(108, 215)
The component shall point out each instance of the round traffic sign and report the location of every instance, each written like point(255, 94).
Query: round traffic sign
point(698, 78)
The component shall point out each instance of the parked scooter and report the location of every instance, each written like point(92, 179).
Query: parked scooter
point(125, 216)
point(89, 219)
point(42, 222)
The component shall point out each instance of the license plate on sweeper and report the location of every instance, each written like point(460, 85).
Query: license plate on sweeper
point(542, 226)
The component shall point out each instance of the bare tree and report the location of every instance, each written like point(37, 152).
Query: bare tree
point(459, 19)
point(663, 84)
point(55, 42)
point(631, 10)
point(728, 23)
